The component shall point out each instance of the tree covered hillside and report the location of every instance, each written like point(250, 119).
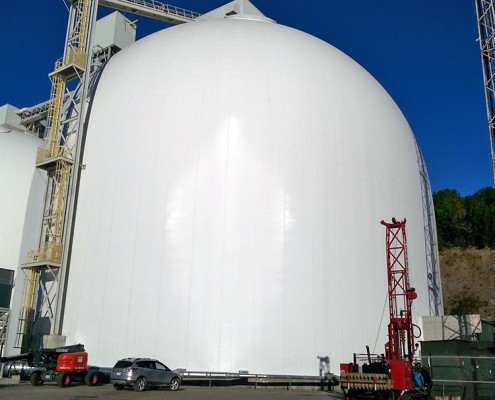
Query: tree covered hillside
point(465, 221)
point(466, 240)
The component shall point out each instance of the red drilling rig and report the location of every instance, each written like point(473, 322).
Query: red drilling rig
point(389, 376)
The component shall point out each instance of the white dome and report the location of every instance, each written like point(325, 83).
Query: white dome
point(229, 214)
point(21, 202)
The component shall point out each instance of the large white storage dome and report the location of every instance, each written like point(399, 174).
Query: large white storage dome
point(229, 214)
point(21, 201)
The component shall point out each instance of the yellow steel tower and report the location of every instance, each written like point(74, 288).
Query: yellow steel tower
point(47, 268)
point(57, 158)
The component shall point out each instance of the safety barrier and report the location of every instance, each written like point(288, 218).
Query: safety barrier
point(462, 377)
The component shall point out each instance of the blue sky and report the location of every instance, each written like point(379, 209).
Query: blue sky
point(424, 52)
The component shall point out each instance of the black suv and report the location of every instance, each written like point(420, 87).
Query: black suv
point(142, 373)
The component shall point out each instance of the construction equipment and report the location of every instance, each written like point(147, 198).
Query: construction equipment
point(392, 375)
point(63, 365)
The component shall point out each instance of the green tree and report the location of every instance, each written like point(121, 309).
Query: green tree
point(467, 304)
point(480, 216)
point(464, 222)
point(492, 225)
point(477, 216)
point(450, 215)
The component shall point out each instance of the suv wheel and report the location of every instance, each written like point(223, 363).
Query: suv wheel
point(140, 384)
point(174, 385)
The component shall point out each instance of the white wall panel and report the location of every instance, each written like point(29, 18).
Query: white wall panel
point(21, 205)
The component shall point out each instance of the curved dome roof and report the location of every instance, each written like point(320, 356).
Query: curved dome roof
point(228, 217)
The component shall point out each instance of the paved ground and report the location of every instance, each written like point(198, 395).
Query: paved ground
point(24, 391)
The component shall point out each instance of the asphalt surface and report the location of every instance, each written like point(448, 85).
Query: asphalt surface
point(24, 391)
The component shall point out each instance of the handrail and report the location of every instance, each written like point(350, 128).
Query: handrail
point(156, 6)
point(245, 375)
point(260, 379)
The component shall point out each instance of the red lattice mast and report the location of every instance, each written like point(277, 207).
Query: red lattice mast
point(400, 294)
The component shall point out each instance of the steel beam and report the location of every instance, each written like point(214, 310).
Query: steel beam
point(152, 9)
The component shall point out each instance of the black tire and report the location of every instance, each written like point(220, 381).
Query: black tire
point(174, 384)
point(91, 379)
point(35, 378)
point(118, 387)
point(140, 384)
point(64, 379)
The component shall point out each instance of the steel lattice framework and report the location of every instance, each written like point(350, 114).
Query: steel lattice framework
point(400, 294)
point(46, 270)
point(485, 11)
point(431, 245)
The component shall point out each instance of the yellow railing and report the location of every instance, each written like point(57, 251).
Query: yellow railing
point(75, 52)
point(53, 119)
point(48, 251)
point(83, 29)
point(44, 153)
point(26, 317)
point(62, 177)
point(76, 56)
point(30, 284)
point(57, 186)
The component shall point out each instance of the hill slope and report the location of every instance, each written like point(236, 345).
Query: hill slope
point(468, 281)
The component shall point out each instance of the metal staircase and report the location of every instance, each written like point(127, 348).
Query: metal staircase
point(46, 270)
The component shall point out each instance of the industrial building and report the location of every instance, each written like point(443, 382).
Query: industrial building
point(210, 195)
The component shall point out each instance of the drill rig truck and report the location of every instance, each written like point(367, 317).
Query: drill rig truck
point(392, 375)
